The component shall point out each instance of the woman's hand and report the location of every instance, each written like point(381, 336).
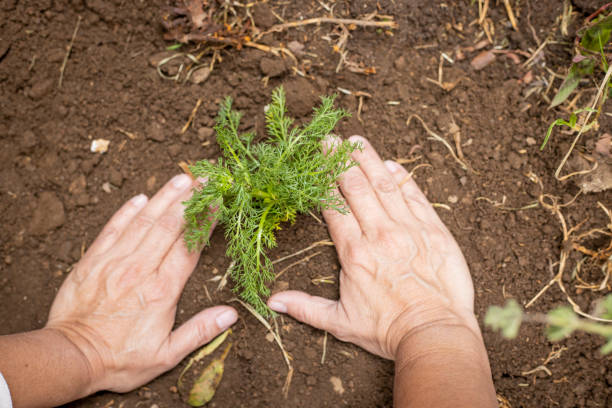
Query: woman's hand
point(118, 304)
point(402, 271)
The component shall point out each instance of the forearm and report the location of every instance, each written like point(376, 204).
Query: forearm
point(43, 368)
point(443, 367)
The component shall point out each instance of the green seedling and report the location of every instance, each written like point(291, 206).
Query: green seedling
point(561, 322)
point(256, 187)
point(591, 54)
point(571, 123)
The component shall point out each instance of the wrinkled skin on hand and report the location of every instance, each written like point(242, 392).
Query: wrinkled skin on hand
point(402, 271)
point(119, 303)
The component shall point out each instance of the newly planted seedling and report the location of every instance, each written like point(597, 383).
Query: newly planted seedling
point(255, 187)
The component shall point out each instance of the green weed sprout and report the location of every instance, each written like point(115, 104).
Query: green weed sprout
point(594, 38)
point(255, 187)
point(561, 322)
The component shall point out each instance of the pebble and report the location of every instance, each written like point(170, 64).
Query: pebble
point(116, 178)
point(41, 88)
point(400, 63)
point(48, 214)
point(453, 199)
point(78, 185)
point(199, 76)
point(156, 132)
point(8, 259)
point(151, 183)
point(174, 150)
point(106, 187)
point(82, 200)
point(272, 67)
point(337, 384)
point(204, 133)
point(530, 141)
point(296, 47)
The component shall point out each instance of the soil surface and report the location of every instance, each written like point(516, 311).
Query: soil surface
point(55, 194)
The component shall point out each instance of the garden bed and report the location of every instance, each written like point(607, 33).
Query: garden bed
point(55, 194)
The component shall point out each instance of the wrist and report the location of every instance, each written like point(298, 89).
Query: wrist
point(78, 352)
point(446, 339)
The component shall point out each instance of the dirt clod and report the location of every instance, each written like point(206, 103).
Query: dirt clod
point(48, 214)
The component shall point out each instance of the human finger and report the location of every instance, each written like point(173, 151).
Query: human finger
point(117, 224)
point(149, 215)
point(381, 179)
point(199, 330)
point(165, 232)
point(342, 227)
point(362, 200)
point(179, 263)
point(324, 314)
point(416, 201)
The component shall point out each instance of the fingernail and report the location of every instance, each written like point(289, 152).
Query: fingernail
point(226, 319)
point(392, 166)
point(181, 181)
point(139, 201)
point(277, 306)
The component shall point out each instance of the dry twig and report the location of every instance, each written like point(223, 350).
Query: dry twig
point(68, 51)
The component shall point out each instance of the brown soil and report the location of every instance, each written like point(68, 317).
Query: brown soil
point(52, 201)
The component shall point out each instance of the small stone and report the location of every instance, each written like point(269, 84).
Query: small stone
point(272, 67)
point(41, 88)
point(199, 76)
point(530, 141)
point(400, 63)
point(174, 150)
point(48, 215)
point(115, 177)
point(151, 183)
point(296, 47)
point(173, 389)
point(247, 354)
point(204, 133)
point(8, 259)
point(82, 200)
point(453, 199)
point(28, 140)
point(78, 185)
point(99, 145)
point(106, 187)
point(337, 384)
point(270, 337)
point(156, 132)
point(154, 406)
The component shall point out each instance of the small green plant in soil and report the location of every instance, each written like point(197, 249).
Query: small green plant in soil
point(592, 53)
point(255, 187)
point(561, 322)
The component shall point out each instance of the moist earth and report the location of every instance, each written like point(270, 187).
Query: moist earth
point(55, 194)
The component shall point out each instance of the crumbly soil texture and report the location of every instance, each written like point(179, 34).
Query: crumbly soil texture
point(55, 194)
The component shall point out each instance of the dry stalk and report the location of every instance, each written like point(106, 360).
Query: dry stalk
point(596, 100)
point(555, 208)
point(510, 14)
point(303, 260)
point(301, 251)
point(440, 139)
point(324, 348)
point(68, 52)
point(278, 340)
point(191, 116)
point(330, 20)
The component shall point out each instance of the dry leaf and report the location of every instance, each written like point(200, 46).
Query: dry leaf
point(204, 351)
point(482, 60)
point(205, 386)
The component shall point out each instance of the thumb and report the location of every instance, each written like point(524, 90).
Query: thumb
point(313, 310)
point(199, 330)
